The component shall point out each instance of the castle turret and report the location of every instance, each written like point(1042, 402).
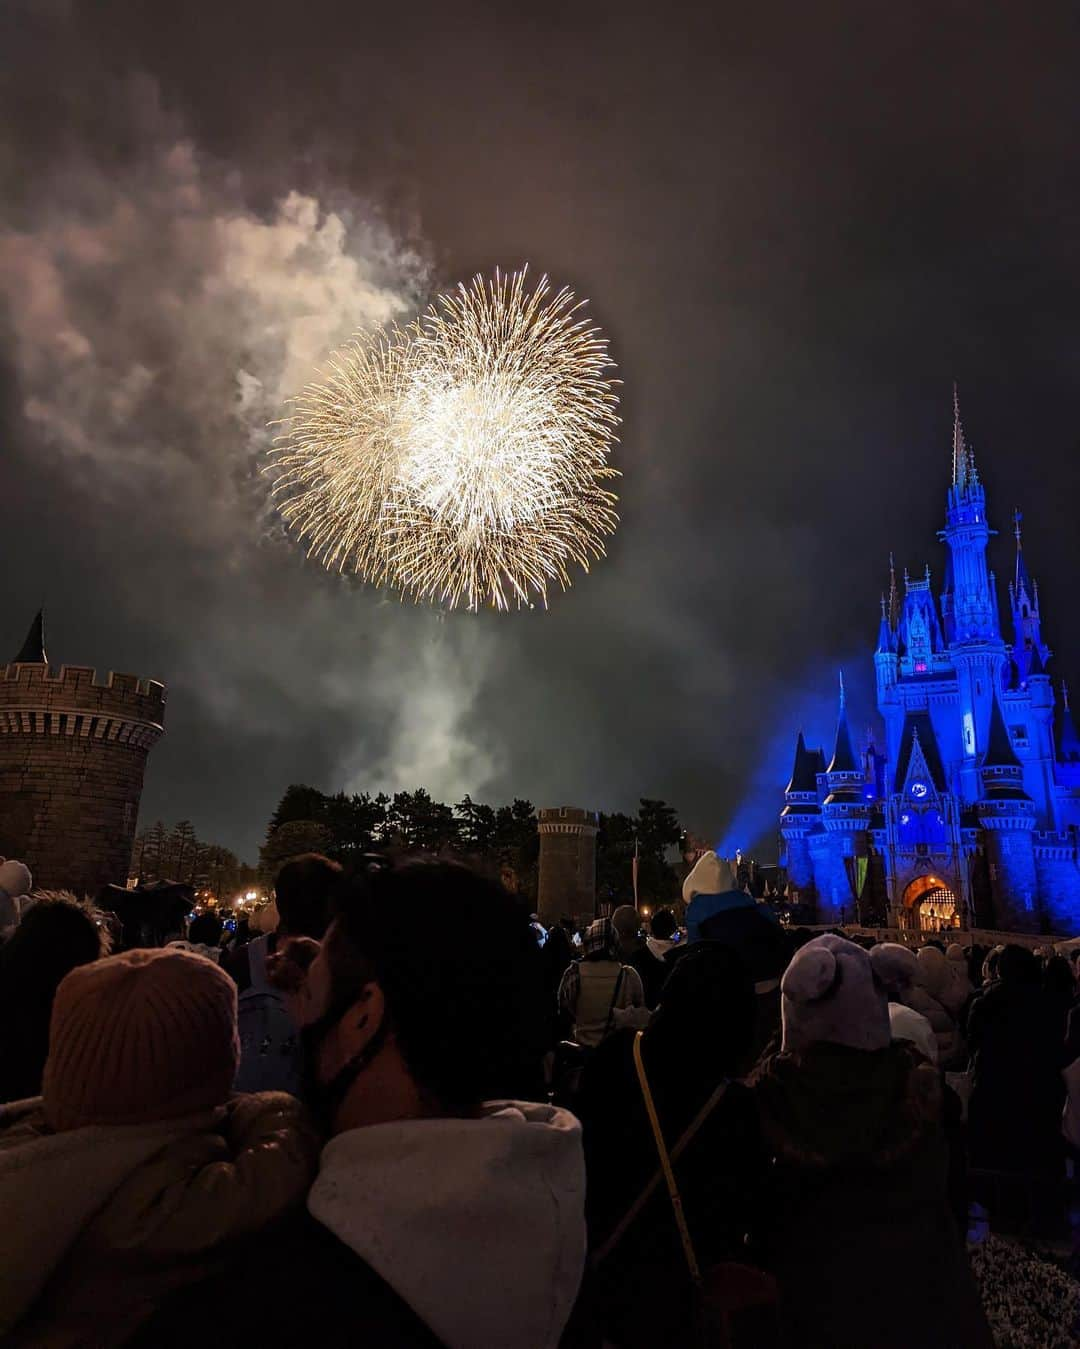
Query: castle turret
point(799, 818)
point(72, 758)
point(567, 886)
point(845, 814)
point(1007, 814)
point(976, 648)
point(886, 662)
point(1028, 646)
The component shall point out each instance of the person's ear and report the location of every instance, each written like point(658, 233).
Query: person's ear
point(360, 1023)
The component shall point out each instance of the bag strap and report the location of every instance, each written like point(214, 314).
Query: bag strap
point(256, 955)
point(653, 1185)
point(614, 1000)
point(665, 1163)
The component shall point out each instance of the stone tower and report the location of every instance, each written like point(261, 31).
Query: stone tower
point(72, 756)
point(567, 863)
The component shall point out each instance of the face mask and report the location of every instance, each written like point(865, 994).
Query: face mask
point(324, 1099)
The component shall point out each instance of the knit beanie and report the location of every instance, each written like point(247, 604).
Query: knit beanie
point(830, 993)
point(140, 1037)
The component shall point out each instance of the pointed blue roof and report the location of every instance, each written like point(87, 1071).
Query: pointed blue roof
point(885, 641)
point(999, 748)
point(843, 759)
point(1037, 665)
point(917, 725)
point(804, 772)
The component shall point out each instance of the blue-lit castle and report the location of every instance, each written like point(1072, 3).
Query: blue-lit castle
point(969, 813)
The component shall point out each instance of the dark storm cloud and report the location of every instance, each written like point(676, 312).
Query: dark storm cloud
point(797, 223)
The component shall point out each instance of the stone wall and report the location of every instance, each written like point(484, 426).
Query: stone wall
point(72, 758)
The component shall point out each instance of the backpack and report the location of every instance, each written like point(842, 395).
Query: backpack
point(271, 1052)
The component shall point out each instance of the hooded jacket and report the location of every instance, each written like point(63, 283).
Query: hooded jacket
point(100, 1223)
point(464, 1233)
point(479, 1224)
point(860, 1169)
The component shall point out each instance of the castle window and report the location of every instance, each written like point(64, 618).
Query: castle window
point(920, 667)
point(978, 688)
point(1019, 736)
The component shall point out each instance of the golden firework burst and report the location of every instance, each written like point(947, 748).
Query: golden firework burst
point(463, 458)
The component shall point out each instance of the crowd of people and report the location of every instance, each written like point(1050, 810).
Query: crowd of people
point(410, 1115)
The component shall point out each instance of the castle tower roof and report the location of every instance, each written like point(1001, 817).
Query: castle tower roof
point(843, 759)
point(32, 651)
point(919, 729)
point(804, 772)
point(999, 749)
point(885, 641)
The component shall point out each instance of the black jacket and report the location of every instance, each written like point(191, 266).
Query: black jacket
point(291, 1286)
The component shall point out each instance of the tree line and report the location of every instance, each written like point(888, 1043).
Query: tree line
point(176, 853)
point(504, 838)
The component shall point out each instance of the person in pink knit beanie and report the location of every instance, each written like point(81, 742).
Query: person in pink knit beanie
point(137, 1167)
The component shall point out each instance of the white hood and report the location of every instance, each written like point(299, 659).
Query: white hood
point(659, 946)
point(710, 876)
point(479, 1224)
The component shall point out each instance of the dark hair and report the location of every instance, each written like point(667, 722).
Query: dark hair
point(205, 929)
point(663, 925)
point(459, 967)
point(1058, 979)
point(1018, 965)
point(302, 892)
point(57, 934)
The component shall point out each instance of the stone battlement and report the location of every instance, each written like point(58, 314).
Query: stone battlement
point(566, 820)
point(76, 689)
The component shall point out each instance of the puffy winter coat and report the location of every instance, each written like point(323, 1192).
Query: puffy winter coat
point(101, 1223)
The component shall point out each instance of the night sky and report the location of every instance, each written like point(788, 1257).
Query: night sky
point(797, 223)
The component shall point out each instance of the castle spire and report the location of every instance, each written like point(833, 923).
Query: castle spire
point(959, 448)
point(894, 596)
point(1021, 579)
point(964, 472)
point(884, 637)
point(843, 759)
point(32, 651)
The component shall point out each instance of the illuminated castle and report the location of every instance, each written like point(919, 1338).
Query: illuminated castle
point(969, 815)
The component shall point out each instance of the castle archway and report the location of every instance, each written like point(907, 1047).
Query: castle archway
point(929, 904)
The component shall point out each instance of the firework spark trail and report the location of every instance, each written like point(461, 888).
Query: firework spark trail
point(461, 459)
